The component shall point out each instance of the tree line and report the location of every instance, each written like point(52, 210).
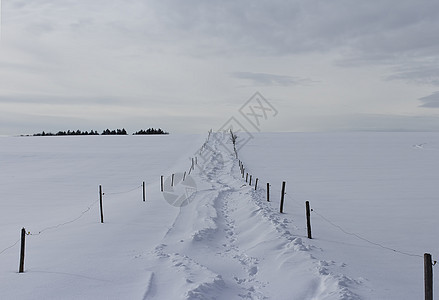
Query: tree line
point(104, 132)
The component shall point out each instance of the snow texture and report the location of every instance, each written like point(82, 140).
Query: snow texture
point(372, 194)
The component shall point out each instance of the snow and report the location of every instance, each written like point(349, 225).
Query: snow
point(374, 216)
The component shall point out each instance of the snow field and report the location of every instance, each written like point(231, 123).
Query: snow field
point(228, 242)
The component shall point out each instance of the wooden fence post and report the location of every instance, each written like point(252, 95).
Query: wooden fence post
point(256, 184)
point(428, 277)
point(22, 250)
point(268, 192)
point(250, 183)
point(161, 183)
point(144, 192)
point(100, 203)
point(246, 177)
point(282, 196)
point(184, 175)
point(172, 180)
point(308, 219)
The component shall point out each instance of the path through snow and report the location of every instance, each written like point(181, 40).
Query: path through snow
point(229, 243)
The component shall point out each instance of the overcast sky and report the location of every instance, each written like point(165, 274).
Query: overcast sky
point(188, 66)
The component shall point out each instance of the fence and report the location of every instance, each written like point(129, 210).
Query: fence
point(427, 259)
point(24, 233)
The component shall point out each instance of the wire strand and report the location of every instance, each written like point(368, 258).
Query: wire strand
point(68, 222)
point(356, 235)
point(7, 248)
point(364, 239)
point(124, 192)
point(297, 203)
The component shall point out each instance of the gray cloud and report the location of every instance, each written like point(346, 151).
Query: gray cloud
point(283, 27)
point(431, 101)
point(264, 79)
point(59, 100)
point(397, 34)
point(390, 32)
point(420, 72)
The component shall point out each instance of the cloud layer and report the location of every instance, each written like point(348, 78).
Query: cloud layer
point(199, 59)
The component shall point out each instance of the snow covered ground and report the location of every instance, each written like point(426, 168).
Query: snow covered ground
point(373, 195)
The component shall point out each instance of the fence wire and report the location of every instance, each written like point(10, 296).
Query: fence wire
point(355, 234)
point(122, 192)
point(68, 222)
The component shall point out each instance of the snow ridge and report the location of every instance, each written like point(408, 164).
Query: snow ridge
point(229, 243)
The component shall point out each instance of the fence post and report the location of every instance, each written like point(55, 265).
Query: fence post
point(428, 277)
point(256, 184)
point(282, 197)
point(250, 183)
point(268, 192)
point(246, 177)
point(144, 192)
point(184, 175)
point(161, 183)
point(308, 219)
point(100, 203)
point(22, 250)
point(172, 180)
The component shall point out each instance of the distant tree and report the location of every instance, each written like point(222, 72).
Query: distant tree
point(114, 132)
point(79, 132)
point(150, 131)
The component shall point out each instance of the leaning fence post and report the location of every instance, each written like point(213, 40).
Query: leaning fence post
point(256, 184)
point(100, 203)
point(22, 250)
point(308, 219)
point(184, 175)
point(428, 277)
point(144, 192)
point(268, 192)
point(282, 195)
